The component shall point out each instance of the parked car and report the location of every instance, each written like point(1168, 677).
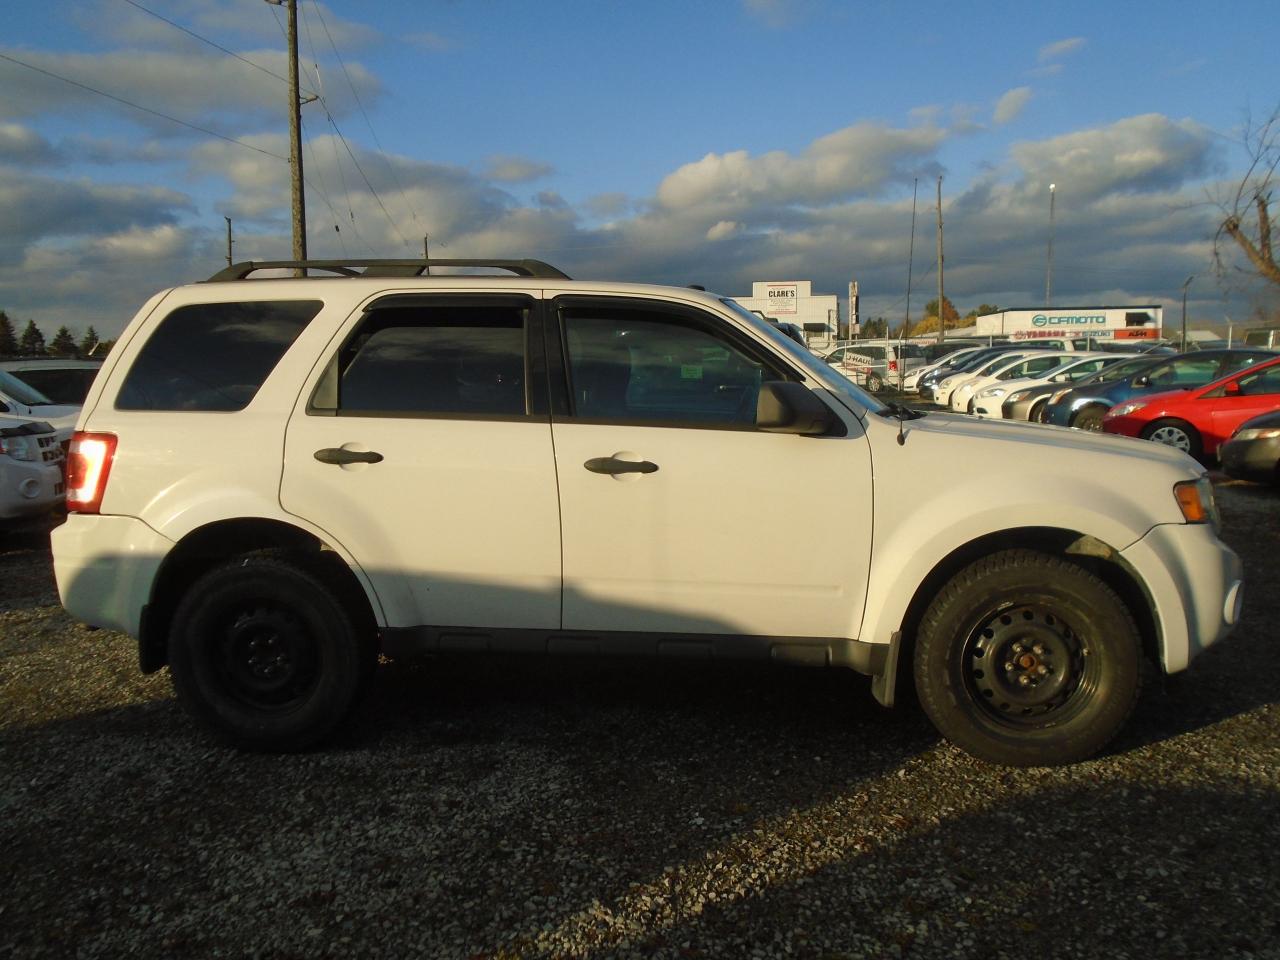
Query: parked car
point(31, 469)
point(23, 402)
point(944, 388)
point(997, 400)
point(1085, 406)
point(1253, 452)
point(911, 382)
point(875, 364)
point(927, 384)
point(63, 381)
point(277, 481)
point(1199, 420)
point(1034, 402)
point(962, 396)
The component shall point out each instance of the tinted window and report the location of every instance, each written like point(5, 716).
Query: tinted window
point(1184, 372)
point(635, 365)
point(1263, 382)
point(61, 386)
point(446, 359)
point(213, 356)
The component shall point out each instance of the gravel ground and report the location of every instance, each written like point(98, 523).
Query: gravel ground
point(508, 808)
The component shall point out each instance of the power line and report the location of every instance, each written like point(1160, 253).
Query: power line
point(138, 106)
point(215, 45)
point(360, 103)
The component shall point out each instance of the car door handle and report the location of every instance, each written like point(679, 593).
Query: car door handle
point(613, 466)
point(340, 456)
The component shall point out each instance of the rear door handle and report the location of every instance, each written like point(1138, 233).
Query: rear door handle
point(340, 456)
point(613, 466)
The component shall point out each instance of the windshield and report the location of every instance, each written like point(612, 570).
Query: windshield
point(1118, 371)
point(20, 391)
point(830, 378)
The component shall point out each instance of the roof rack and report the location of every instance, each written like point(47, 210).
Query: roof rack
point(386, 268)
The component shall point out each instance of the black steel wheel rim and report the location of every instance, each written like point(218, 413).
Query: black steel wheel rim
point(1025, 667)
point(266, 657)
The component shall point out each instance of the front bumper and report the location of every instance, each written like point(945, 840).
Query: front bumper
point(29, 488)
point(105, 567)
point(1252, 459)
point(1194, 582)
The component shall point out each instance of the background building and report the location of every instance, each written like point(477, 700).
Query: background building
point(793, 301)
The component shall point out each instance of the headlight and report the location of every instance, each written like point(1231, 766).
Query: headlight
point(1257, 433)
point(992, 392)
point(1057, 397)
point(20, 448)
point(1195, 499)
point(1127, 408)
point(1020, 395)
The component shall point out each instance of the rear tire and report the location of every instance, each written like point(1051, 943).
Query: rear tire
point(874, 383)
point(1025, 659)
point(265, 655)
point(1175, 433)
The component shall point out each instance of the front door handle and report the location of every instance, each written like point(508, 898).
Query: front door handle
point(340, 456)
point(613, 466)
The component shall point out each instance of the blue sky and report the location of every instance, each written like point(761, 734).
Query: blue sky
point(711, 142)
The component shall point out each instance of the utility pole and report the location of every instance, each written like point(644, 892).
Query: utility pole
point(911, 259)
point(1048, 270)
point(228, 219)
point(941, 299)
point(1186, 283)
point(295, 138)
point(426, 253)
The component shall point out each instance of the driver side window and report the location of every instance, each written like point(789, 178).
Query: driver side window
point(637, 365)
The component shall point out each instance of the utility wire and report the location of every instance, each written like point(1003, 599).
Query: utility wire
point(138, 106)
point(216, 46)
point(359, 103)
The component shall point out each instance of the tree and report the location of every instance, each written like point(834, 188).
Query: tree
point(89, 341)
point(8, 339)
point(64, 345)
point(1247, 212)
point(950, 316)
point(31, 344)
point(875, 328)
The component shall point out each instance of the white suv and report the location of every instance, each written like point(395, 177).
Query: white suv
point(275, 480)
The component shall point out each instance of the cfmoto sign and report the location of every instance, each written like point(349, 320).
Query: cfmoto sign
point(1041, 320)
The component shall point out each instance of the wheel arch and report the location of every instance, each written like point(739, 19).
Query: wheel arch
point(1099, 558)
point(205, 547)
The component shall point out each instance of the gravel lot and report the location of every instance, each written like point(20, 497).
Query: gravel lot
point(507, 808)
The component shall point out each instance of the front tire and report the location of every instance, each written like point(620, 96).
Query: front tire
point(1090, 418)
point(1174, 433)
point(265, 656)
point(1025, 659)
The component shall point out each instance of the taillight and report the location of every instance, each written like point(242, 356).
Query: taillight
point(893, 364)
point(88, 465)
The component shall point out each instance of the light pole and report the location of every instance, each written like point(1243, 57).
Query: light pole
point(1185, 283)
point(1048, 271)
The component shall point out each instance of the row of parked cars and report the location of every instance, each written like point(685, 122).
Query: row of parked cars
point(1216, 404)
point(40, 399)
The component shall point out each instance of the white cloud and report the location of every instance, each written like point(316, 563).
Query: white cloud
point(1059, 49)
point(723, 229)
point(1011, 104)
point(507, 169)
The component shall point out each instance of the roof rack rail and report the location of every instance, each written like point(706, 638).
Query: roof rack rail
point(385, 268)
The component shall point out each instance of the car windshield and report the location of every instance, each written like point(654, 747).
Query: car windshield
point(816, 368)
point(1118, 371)
point(22, 392)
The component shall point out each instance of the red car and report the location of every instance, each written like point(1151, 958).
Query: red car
point(1199, 420)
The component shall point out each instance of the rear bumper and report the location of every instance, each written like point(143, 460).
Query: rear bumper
point(105, 567)
point(1195, 584)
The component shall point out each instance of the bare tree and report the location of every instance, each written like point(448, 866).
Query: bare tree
point(1247, 214)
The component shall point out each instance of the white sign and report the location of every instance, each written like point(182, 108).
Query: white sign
point(782, 298)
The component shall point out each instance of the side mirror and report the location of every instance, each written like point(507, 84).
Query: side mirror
point(786, 407)
point(1142, 381)
point(1231, 389)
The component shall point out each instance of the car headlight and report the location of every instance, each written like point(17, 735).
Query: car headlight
point(20, 448)
point(1018, 395)
point(1195, 499)
point(992, 392)
point(1127, 408)
point(1256, 433)
point(1057, 397)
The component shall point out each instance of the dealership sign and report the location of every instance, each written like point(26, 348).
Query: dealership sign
point(782, 298)
point(1041, 320)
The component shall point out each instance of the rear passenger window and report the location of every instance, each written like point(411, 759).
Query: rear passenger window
point(430, 360)
point(213, 356)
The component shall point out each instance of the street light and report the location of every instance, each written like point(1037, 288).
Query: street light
point(1185, 283)
point(1048, 272)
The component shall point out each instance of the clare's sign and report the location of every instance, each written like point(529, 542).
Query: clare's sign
point(782, 298)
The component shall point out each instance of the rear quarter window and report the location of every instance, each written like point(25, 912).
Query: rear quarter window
point(213, 356)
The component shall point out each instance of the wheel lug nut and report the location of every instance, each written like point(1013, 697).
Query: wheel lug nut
point(1024, 680)
point(1042, 669)
point(1038, 649)
point(1009, 666)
